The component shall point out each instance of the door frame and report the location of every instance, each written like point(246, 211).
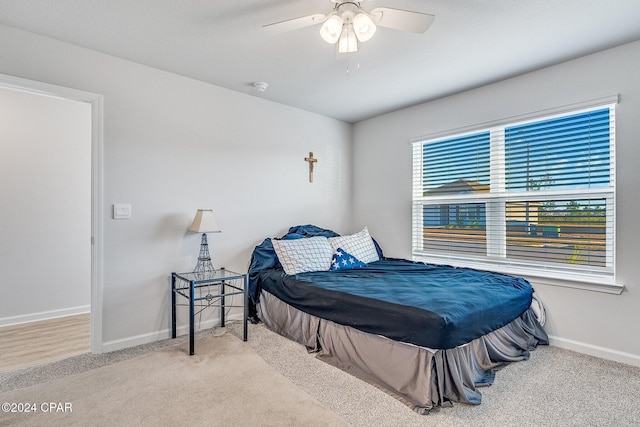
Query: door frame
point(97, 221)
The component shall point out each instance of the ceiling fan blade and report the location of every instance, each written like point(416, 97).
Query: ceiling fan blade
point(296, 23)
point(405, 20)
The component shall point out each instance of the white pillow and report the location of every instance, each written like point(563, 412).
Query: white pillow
point(360, 245)
point(302, 255)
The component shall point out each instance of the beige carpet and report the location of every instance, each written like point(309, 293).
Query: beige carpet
point(225, 383)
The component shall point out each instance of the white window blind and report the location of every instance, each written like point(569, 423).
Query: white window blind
point(535, 195)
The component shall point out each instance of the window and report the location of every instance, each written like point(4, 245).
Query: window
point(531, 197)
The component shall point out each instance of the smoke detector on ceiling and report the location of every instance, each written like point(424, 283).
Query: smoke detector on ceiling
point(260, 86)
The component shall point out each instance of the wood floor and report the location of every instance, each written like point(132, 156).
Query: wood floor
point(45, 341)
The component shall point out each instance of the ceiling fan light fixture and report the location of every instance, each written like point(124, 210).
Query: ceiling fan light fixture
point(363, 27)
point(348, 23)
point(348, 42)
point(331, 29)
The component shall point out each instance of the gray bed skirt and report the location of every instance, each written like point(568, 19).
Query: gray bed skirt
point(420, 377)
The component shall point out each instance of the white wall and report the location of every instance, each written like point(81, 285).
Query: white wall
point(172, 145)
point(587, 321)
point(45, 188)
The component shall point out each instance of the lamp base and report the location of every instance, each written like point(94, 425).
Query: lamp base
point(204, 264)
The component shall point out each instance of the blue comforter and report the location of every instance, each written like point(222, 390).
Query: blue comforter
point(433, 306)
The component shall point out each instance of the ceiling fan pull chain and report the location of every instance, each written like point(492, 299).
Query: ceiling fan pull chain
point(348, 68)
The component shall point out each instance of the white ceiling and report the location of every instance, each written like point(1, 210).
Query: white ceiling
point(471, 43)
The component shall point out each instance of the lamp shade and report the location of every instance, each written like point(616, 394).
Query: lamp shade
point(204, 222)
point(331, 29)
point(363, 26)
point(348, 42)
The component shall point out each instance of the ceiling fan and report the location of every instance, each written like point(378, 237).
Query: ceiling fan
point(349, 23)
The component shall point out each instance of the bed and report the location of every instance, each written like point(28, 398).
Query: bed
point(429, 335)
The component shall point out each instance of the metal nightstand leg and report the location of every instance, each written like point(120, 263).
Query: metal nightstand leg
point(222, 303)
point(173, 306)
point(246, 306)
point(191, 320)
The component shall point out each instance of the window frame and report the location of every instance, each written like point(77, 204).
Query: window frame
point(584, 277)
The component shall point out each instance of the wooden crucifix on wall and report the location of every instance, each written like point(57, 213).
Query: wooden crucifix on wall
point(311, 161)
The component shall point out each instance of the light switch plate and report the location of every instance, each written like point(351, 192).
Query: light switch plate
point(122, 211)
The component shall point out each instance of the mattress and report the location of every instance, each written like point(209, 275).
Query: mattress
point(433, 306)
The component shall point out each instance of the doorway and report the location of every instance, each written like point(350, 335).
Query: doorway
point(36, 200)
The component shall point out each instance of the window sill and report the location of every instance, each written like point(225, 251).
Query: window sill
point(603, 286)
point(587, 283)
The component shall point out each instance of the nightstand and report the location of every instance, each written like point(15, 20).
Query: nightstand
point(208, 289)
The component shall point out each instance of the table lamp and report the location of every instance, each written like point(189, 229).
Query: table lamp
point(204, 222)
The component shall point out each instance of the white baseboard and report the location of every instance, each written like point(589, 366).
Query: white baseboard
point(163, 334)
point(594, 350)
point(44, 315)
